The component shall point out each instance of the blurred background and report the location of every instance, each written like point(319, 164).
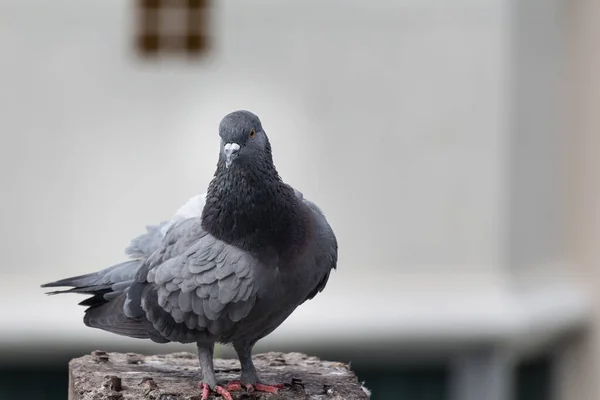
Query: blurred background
point(464, 187)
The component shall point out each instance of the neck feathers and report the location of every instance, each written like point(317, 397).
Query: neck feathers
point(253, 209)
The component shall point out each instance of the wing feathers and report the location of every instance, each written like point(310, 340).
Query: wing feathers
point(207, 286)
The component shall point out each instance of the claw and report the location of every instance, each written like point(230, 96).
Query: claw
point(218, 389)
point(224, 393)
point(205, 391)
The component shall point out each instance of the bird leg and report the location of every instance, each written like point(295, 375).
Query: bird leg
point(249, 375)
point(209, 382)
point(249, 378)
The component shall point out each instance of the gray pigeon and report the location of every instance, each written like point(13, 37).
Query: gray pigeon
point(229, 267)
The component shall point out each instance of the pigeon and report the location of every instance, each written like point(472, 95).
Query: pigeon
point(229, 267)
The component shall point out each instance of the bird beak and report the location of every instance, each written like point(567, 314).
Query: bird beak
point(231, 151)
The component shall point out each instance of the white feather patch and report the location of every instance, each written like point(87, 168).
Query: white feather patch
point(191, 209)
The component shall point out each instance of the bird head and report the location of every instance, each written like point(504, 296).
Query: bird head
point(243, 140)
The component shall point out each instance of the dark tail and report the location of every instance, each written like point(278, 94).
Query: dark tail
point(108, 289)
point(109, 316)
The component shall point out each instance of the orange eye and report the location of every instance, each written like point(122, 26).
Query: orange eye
point(252, 133)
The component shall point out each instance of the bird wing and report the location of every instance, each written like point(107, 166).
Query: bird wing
point(326, 250)
point(115, 302)
point(144, 245)
point(195, 281)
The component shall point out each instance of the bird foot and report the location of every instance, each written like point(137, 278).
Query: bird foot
point(259, 387)
point(218, 389)
point(234, 386)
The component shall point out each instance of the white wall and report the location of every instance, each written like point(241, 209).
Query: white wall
point(394, 117)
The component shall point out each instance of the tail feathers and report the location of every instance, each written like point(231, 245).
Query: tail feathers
point(82, 290)
point(100, 281)
point(83, 280)
point(95, 301)
point(109, 316)
point(110, 304)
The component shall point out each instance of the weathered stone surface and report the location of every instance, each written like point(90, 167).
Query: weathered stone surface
point(175, 376)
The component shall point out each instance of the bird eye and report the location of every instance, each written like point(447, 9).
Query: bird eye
point(252, 133)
